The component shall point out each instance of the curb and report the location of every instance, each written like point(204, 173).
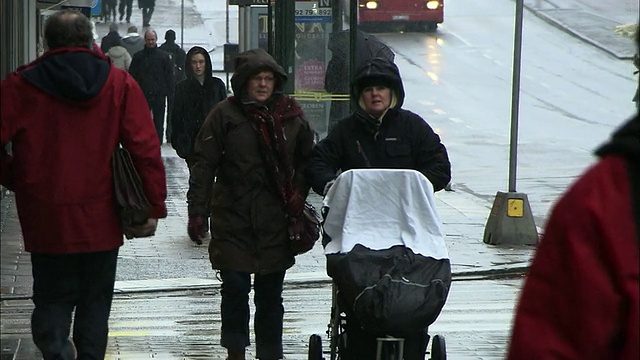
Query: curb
point(562, 26)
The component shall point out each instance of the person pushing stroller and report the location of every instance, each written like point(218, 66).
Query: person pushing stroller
point(379, 134)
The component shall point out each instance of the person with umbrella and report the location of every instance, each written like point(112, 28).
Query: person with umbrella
point(367, 47)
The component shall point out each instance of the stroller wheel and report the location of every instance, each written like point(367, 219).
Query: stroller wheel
point(438, 348)
point(315, 347)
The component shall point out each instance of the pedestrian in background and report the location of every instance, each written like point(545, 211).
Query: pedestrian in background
point(178, 57)
point(119, 57)
point(153, 70)
point(109, 10)
point(125, 7)
point(194, 98)
point(132, 41)
point(379, 134)
point(259, 185)
point(112, 38)
point(64, 115)
point(147, 7)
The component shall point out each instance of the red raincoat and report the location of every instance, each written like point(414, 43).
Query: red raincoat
point(64, 115)
point(581, 297)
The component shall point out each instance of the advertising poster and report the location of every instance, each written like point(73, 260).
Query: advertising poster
point(312, 28)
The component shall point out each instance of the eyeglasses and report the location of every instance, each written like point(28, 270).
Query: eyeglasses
point(259, 79)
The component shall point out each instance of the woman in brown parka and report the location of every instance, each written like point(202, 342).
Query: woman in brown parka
point(256, 145)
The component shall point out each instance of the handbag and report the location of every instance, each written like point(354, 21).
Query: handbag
point(132, 204)
point(309, 233)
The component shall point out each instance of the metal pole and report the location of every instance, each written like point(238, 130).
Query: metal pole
point(515, 97)
point(182, 25)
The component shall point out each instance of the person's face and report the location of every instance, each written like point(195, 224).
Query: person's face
point(150, 39)
point(198, 64)
point(376, 99)
point(260, 86)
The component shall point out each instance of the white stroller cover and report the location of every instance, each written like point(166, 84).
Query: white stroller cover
point(385, 250)
point(380, 208)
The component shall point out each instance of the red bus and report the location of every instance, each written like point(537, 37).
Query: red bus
point(420, 14)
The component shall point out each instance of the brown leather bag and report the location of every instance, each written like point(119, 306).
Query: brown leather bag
point(131, 202)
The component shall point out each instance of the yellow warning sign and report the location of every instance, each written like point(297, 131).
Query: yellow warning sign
point(515, 207)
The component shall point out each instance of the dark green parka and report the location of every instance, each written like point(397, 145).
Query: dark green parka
point(249, 229)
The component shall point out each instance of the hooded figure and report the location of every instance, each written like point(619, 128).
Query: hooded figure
point(581, 296)
point(119, 57)
point(194, 99)
point(133, 42)
point(379, 134)
point(253, 148)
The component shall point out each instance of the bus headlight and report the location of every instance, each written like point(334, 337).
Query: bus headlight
point(371, 5)
point(433, 4)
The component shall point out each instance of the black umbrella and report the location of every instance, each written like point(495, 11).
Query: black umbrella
point(367, 46)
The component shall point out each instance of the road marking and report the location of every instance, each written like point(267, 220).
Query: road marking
point(456, 120)
point(426, 102)
point(439, 111)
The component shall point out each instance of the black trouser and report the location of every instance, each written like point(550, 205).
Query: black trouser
point(269, 315)
point(157, 105)
point(62, 283)
point(146, 15)
point(128, 4)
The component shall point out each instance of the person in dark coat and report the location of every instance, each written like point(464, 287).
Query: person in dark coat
point(147, 7)
point(153, 70)
point(112, 38)
point(132, 41)
point(64, 115)
point(178, 57)
point(253, 148)
point(194, 98)
point(379, 134)
point(125, 7)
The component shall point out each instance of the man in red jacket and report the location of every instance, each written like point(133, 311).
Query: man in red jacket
point(581, 297)
point(63, 116)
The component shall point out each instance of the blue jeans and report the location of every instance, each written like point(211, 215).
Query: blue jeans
point(268, 317)
point(62, 283)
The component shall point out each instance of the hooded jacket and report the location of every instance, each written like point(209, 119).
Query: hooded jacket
point(399, 139)
point(580, 299)
point(119, 57)
point(64, 115)
point(193, 102)
point(133, 43)
point(249, 229)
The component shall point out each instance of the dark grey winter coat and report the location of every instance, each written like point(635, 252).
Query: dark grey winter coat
point(403, 140)
point(153, 70)
point(249, 230)
point(192, 103)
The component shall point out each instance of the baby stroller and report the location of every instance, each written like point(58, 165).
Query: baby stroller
point(390, 267)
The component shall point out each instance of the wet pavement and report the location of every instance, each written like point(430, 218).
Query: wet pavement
point(167, 299)
point(592, 21)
